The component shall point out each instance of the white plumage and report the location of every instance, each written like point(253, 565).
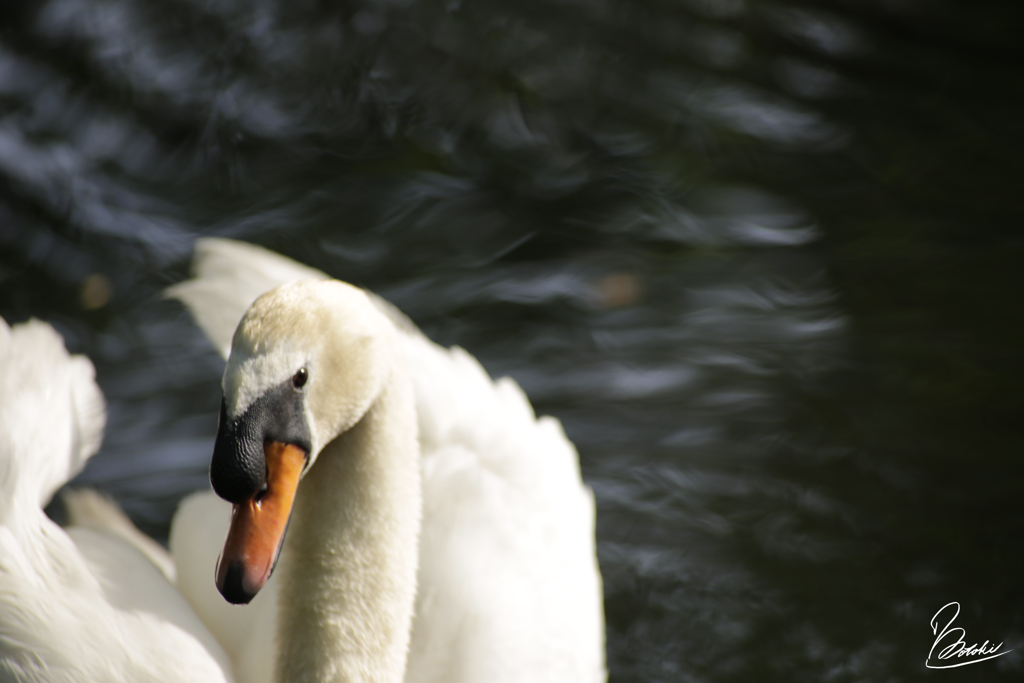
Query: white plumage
point(82, 605)
point(506, 584)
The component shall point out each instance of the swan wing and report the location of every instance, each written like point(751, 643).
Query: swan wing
point(90, 509)
point(227, 277)
point(51, 415)
point(509, 588)
point(80, 605)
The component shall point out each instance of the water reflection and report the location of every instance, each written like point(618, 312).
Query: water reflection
point(755, 263)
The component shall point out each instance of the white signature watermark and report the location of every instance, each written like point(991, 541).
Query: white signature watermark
point(959, 649)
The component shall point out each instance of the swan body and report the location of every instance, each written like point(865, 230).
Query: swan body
point(440, 532)
point(82, 605)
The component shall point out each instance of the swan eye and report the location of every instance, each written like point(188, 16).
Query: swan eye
point(300, 378)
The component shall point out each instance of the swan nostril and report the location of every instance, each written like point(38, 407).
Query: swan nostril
point(262, 492)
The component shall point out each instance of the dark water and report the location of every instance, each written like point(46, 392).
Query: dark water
point(761, 258)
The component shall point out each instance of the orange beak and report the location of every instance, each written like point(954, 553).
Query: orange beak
point(258, 525)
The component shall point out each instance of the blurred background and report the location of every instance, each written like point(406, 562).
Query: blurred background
point(762, 258)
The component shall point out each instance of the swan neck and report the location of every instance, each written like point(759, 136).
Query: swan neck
point(349, 563)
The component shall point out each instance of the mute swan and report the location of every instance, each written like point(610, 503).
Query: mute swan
point(81, 606)
point(440, 531)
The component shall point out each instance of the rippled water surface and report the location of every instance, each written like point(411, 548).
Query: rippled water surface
point(761, 259)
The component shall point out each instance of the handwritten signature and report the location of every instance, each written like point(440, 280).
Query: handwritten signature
point(958, 648)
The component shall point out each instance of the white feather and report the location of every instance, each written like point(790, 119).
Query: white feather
point(82, 606)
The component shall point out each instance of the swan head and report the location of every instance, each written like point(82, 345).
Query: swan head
point(307, 361)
